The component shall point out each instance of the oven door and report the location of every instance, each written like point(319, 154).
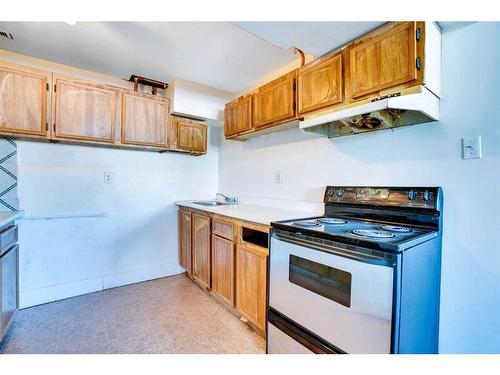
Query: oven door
point(343, 296)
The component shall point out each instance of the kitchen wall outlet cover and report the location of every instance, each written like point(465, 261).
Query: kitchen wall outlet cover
point(471, 147)
point(278, 177)
point(108, 177)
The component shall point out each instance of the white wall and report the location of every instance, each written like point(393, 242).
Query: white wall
point(136, 240)
point(428, 154)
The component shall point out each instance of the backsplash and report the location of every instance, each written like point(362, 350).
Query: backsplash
point(8, 175)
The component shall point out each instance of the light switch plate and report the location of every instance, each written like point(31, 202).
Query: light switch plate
point(471, 147)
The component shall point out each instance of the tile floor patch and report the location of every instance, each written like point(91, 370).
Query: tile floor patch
point(170, 315)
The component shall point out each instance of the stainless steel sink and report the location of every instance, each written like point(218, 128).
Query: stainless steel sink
point(210, 203)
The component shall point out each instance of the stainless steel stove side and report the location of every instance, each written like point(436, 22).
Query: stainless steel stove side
point(417, 321)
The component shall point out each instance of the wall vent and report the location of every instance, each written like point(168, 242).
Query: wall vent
point(5, 34)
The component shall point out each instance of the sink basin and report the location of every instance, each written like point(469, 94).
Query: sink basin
point(210, 203)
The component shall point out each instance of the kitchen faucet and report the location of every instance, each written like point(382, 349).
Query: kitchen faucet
point(230, 200)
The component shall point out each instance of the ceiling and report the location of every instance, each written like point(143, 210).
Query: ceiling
point(314, 38)
point(227, 56)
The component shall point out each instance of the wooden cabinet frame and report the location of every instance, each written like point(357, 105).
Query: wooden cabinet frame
point(115, 97)
point(416, 50)
point(238, 116)
point(176, 140)
point(46, 99)
point(335, 94)
point(159, 100)
point(288, 83)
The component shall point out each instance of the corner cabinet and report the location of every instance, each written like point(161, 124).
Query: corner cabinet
point(187, 135)
point(275, 102)
point(84, 111)
point(24, 100)
point(385, 58)
point(144, 119)
point(320, 84)
point(238, 116)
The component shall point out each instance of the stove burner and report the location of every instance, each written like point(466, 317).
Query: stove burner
point(332, 221)
point(372, 233)
point(395, 228)
point(306, 224)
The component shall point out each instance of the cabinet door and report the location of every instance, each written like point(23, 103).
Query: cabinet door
point(320, 84)
point(251, 274)
point(24, 100)
point(384, 60)
point(223, 268)
point(201, 248)
point(189, 135)
point(84, 111)
point(9, 288)
point(144, 119)
point(238, 116)
point(274, 102)
point(185, 240)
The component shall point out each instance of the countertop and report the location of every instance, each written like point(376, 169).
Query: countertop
point(8, 216)
point(253, 213)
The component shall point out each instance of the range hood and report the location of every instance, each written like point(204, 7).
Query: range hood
point(408, 107)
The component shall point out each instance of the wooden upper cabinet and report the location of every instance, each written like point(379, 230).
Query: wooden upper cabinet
point(24, 100)
point(144, 119)
point(201, 265)
point(238, 116)
point(185, 240)
point(84, 110)
point(274, 103)
point(188, 135)
point(386, 58)
point(320, 84)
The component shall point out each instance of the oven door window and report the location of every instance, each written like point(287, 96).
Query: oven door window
point(326, 281)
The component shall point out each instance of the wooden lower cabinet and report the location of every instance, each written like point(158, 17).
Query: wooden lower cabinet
point(223, 269)
point(201, 266)
point(251, 284)
point(185, 240)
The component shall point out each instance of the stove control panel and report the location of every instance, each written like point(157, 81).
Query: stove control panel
point(386, 196)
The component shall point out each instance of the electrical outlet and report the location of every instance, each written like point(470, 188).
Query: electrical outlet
point(108, 177)
point(278, 177)
point(471, 147)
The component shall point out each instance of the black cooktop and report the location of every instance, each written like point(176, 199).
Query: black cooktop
point(371, 234)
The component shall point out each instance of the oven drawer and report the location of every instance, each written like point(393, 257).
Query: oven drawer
point(286, 337)
point(345, 301)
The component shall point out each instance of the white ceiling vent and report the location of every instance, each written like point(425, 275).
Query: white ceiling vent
point(6, 35)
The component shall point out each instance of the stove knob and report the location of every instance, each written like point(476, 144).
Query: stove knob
point(330, 193)
point(340, 193)
point(412, 195)
point(427, 196)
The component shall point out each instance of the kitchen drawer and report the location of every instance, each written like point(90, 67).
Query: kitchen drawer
point(223, 228)
point(8, 237)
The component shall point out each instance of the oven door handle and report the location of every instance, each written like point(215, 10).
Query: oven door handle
point(377, 258)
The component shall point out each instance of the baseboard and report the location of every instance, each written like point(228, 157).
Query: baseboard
point(33, 297)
